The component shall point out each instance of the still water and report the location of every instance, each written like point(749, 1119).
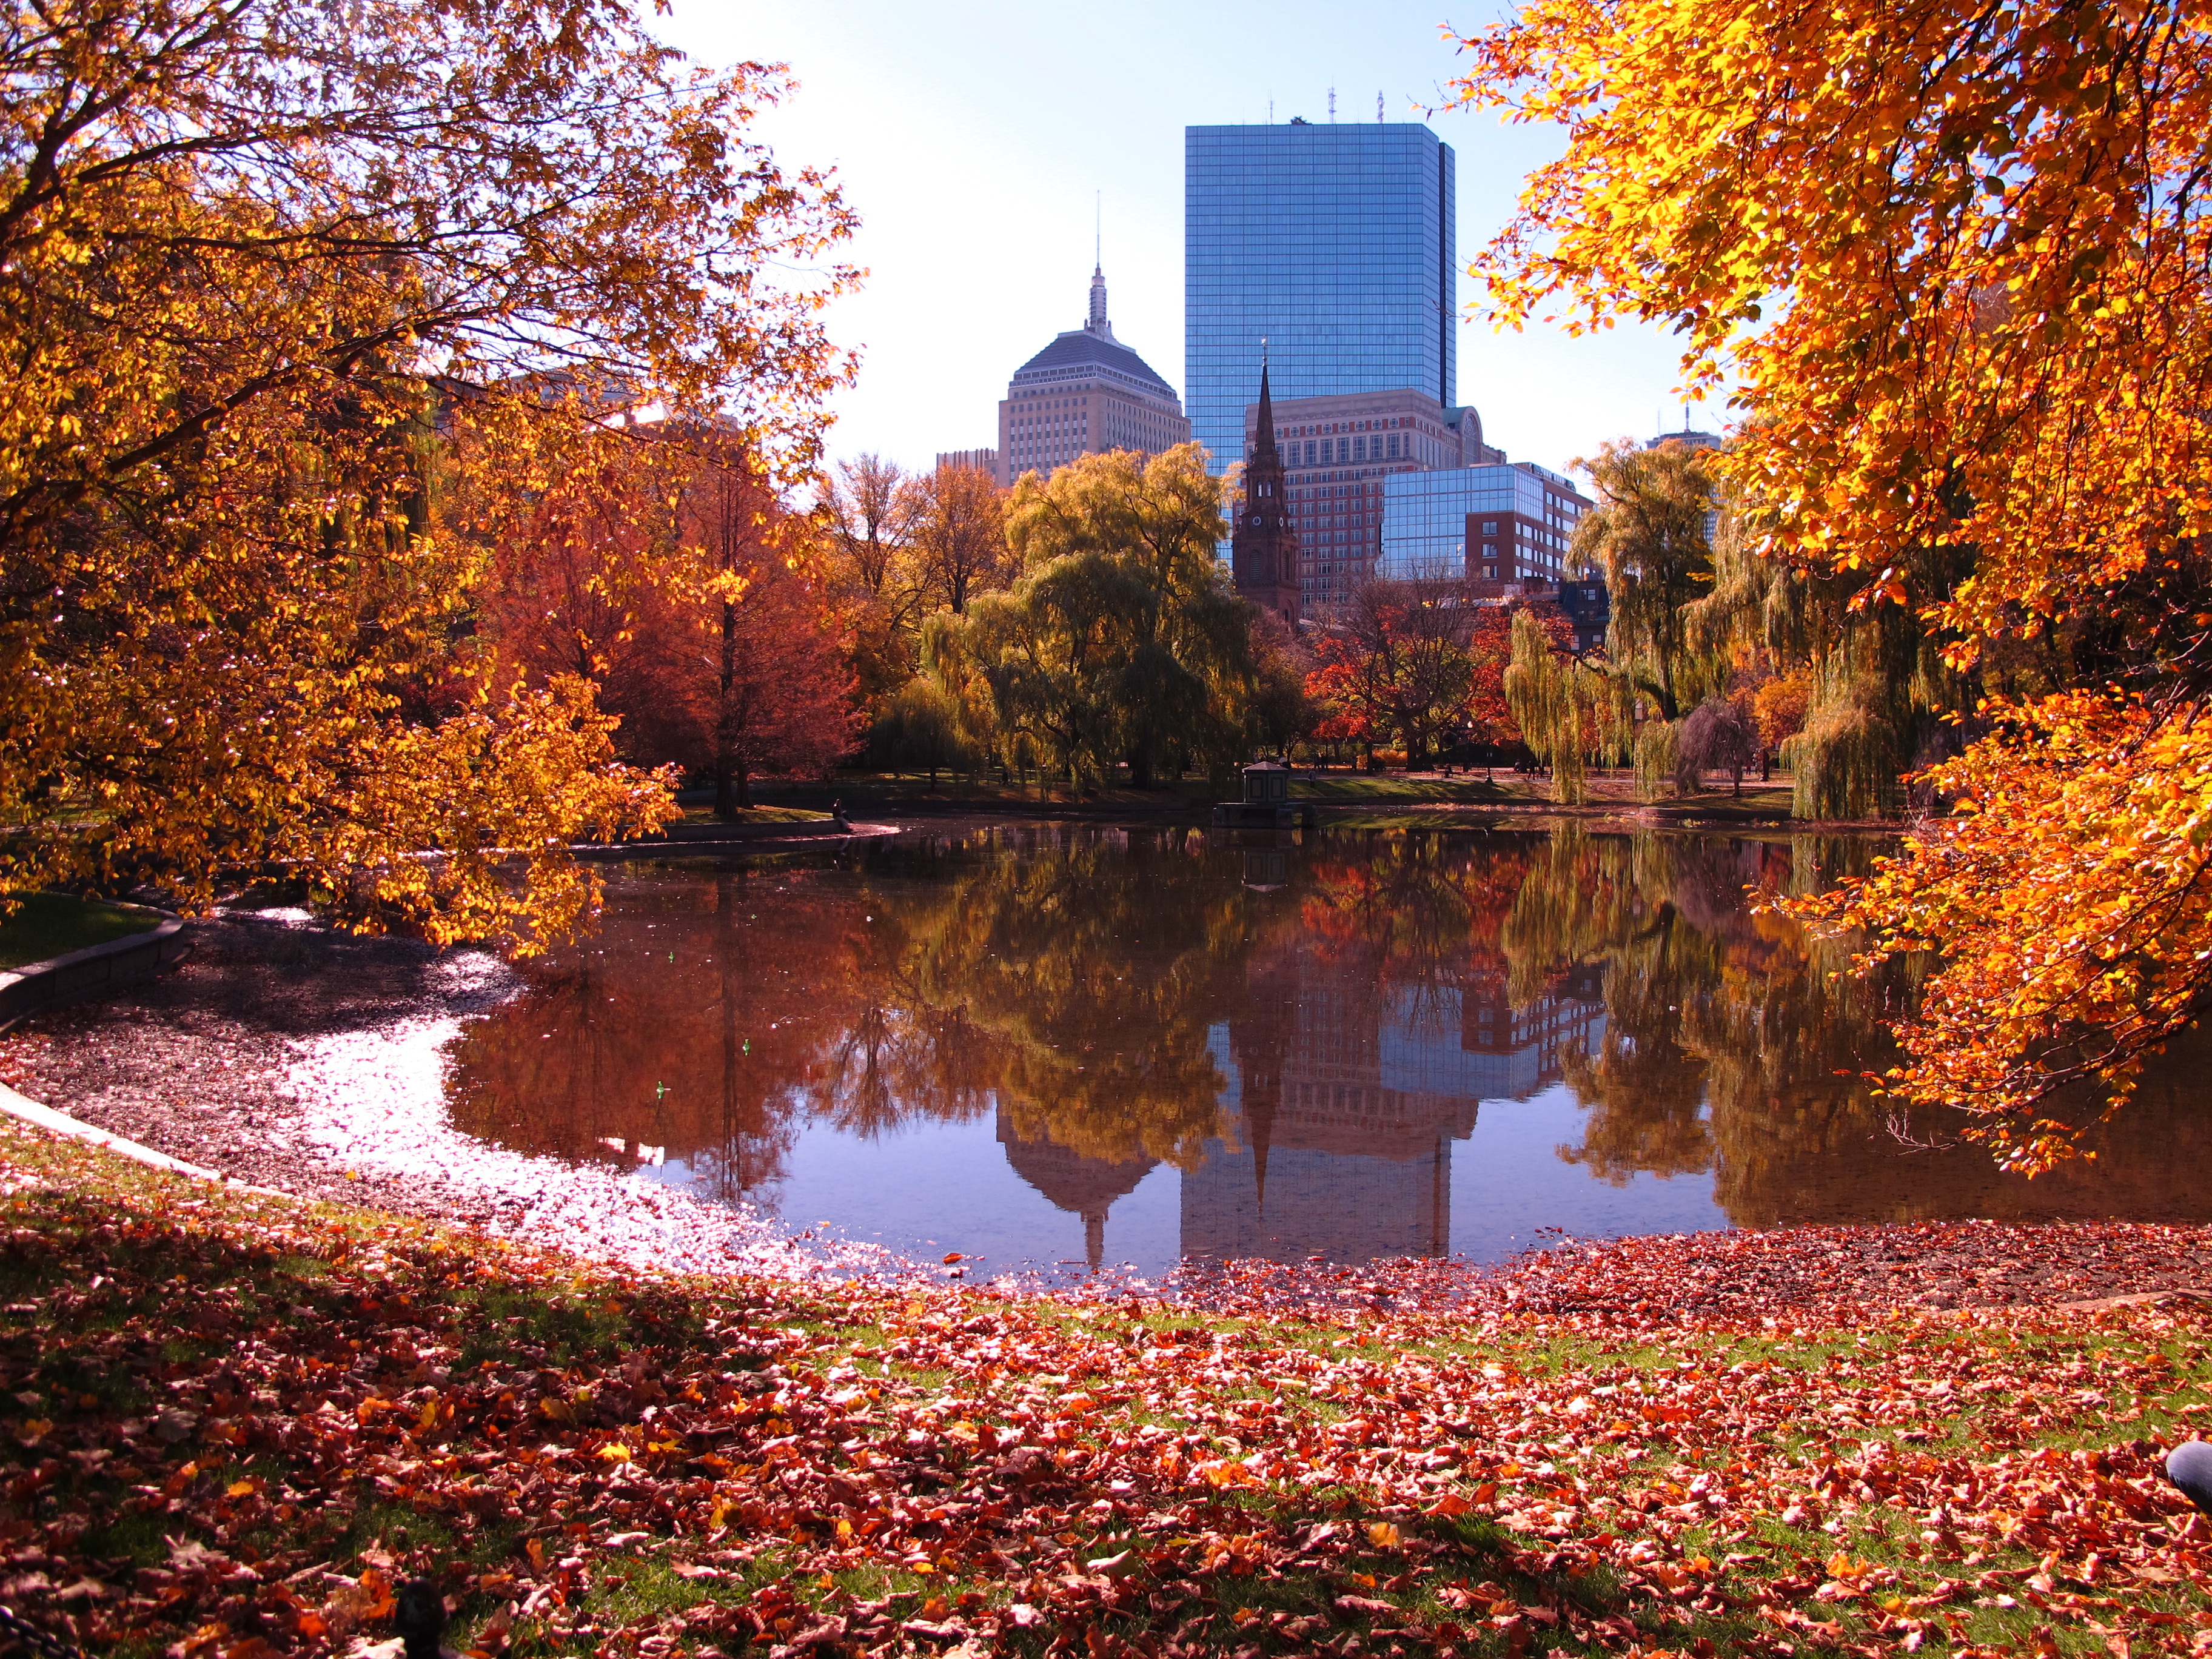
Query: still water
point(1057, 1047)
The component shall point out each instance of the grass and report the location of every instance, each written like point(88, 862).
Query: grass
point(2005, 1519)
point(43, 925)
point(705, 815)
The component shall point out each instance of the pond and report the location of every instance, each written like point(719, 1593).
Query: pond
point(1053, 1048)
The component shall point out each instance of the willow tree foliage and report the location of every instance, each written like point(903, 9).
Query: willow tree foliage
point(1122, 640)
point(1647, 537)
point(1554, 700)
point(1951, 261)
point(279, 282)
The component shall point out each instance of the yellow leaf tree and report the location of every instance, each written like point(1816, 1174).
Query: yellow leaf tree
point(1951, 263)
point(283, 290)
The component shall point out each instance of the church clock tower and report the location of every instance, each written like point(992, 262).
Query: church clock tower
point(1264, 546)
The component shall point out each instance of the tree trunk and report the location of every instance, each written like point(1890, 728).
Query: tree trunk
point(725, 761)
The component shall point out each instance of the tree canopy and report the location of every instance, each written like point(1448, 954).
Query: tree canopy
point(1121, 640)
point(289, 294)
point(1950, 261)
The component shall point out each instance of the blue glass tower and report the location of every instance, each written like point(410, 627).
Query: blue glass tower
point(1336, 245)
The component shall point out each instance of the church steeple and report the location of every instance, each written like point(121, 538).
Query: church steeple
point(1263, 449)
point(1264, 546)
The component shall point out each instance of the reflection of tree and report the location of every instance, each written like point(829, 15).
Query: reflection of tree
point(1088, 971)
point(1070, 979)
point(682, 1023)
point(1609, 899)
point(1733, 1043)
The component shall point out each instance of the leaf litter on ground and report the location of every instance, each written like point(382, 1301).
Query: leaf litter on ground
point(237, 1425)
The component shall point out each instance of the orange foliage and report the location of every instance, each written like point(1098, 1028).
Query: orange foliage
point(1951, 264)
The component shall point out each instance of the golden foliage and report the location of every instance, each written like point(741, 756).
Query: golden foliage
point(1951, 264)
point(294, 299)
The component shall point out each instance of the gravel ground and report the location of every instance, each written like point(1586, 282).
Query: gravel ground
point(196, 1064)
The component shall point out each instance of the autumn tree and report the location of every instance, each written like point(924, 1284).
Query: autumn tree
point(1282, 710)
point(1951, 262)
point(955, 519)
point(773, 693)
point(1554, 697)
point(872, 572)
point(1122, 640)
point(1647, 539)
point(1716, 736)
point(1406, 664)
point(274, 294)
point(1777, 708)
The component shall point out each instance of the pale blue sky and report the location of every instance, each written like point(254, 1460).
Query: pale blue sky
point(972, 137)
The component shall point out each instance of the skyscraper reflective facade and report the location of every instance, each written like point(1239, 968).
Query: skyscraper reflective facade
point(1334, 244)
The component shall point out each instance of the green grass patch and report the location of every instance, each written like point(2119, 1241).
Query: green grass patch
point(43, 925)
point(706, 815)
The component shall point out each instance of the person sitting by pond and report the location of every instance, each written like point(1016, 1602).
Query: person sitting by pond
point(838, 820)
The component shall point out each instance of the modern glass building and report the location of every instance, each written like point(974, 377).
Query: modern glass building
point(1336, 246)
point(1498, 524)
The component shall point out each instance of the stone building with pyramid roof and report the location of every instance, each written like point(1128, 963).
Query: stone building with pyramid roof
point(1084, 394)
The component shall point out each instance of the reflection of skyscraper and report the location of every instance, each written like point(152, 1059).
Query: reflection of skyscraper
point(1086, 1186)
point(1349, 1096)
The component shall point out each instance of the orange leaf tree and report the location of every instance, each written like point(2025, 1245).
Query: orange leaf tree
point(287, 295)
point(1410, 661)
point(1951, 260)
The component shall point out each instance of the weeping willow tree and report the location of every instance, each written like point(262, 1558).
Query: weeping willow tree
point(1650, 538)
point(1554, 698)
point(1122, 642)
point(1880, 690)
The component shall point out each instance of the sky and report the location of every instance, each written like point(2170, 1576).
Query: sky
point(978, 138)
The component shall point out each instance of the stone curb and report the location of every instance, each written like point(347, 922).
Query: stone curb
point(91, 972)
point(45, 1117)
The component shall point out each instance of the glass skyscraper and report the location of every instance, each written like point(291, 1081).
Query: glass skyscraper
point(1336, 246)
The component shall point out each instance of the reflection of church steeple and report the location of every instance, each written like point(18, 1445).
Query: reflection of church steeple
point(1086, 1186)
point(1260, 1124)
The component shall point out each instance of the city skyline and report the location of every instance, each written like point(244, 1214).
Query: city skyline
point(981, 196)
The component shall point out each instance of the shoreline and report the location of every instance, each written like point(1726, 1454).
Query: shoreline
point(286, 1056)
point(889, 819)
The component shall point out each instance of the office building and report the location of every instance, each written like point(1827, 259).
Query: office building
point(1479, 524)
point(1336, 246)
point(979, 460)
point(1686, 438)
point(1589, 609)
point(1336, 453)
point(1084, 394)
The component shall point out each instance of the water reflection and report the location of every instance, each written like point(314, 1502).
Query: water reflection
point(1316, 1046)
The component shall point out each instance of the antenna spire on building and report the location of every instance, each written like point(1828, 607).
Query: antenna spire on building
point(1332, 106)
point(1378, 109)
